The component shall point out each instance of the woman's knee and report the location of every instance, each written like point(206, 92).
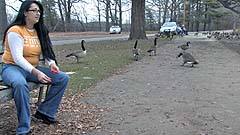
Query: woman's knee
point(60, 79)
point(63, 77)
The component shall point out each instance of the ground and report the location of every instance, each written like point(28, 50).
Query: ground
point(155, 96)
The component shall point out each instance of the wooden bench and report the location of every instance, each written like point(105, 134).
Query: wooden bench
point(6, 91)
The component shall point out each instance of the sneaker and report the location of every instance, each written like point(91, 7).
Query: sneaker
point(44, 118)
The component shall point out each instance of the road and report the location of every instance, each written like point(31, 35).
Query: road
point(89, 38)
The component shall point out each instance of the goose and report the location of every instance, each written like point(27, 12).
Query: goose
point(153, 48)
point(209, 36)
point(196, 34)
point(79, 53)
point(187, 58)
point(184, 46)
point(169, 34)
point(135, 51)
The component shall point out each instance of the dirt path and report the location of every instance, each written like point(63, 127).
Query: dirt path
point(156, 96)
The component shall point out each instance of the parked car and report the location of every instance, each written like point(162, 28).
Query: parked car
point(115, 29)
point(169, 26)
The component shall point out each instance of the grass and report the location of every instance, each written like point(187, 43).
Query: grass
point(103, 59)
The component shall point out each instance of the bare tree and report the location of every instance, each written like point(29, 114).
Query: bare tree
point(120, 12)
point(79, 19)
point(149, 17)
point(98, 6)
point(107, 4)
point(138, 20)
point(65, 8)
point(198, 15)
point(233, 5)
point(51, 16)
point(165, 11)
point(61, 15)
point(159, 5)
point(3, 20)
point(112, 16)
point(206, 17)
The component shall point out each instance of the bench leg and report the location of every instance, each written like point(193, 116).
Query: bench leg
point(40, 94)
point(48, 86)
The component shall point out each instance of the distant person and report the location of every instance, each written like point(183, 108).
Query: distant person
point(179, 30)
point(184, 30)
point(25, 40)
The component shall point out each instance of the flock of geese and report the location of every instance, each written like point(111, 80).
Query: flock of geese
point(222, 35)
point(187, 57)
point(152, 51)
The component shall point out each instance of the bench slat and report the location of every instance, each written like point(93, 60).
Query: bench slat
point(6, 94)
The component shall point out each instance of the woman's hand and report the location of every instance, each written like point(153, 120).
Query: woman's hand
point(54, 68)
point(41, 76)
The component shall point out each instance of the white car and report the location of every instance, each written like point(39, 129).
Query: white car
point(115, 29)
point(169, 26)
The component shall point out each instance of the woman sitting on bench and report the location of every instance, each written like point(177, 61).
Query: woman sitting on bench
point(25, 40)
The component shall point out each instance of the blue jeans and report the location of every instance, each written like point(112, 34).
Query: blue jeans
point(17, 78)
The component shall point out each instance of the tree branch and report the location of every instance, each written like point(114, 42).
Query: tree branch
point(233, 5)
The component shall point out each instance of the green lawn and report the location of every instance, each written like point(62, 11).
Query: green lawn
point(102, 60)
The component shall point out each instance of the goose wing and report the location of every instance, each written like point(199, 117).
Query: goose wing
point(187, 57)
point(78, 53)
point(183, 47)
point(152, 48)
point(135, 52)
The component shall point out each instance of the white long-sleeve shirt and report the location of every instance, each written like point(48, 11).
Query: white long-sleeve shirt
point(16, 44)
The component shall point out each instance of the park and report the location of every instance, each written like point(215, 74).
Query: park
point(110, 93)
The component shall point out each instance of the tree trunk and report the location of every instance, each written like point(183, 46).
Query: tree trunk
point(171, 11)
point(209, 23)
point(197, 15)
point(99, 15)
point(81, 23)
point(191, 18)
point(159, 17)
point(107, 15)
point(205, 17)
point(188, 10)
point(116, 22)
point(138, 20)
point(120, 13)
point(165, 10)
point(68, 15)
point(61, 14)
point(3, 20)
point(111, 15)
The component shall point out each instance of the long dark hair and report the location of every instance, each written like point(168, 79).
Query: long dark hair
point(42, 31)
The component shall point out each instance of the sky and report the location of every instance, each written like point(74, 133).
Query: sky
point(90, 10)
